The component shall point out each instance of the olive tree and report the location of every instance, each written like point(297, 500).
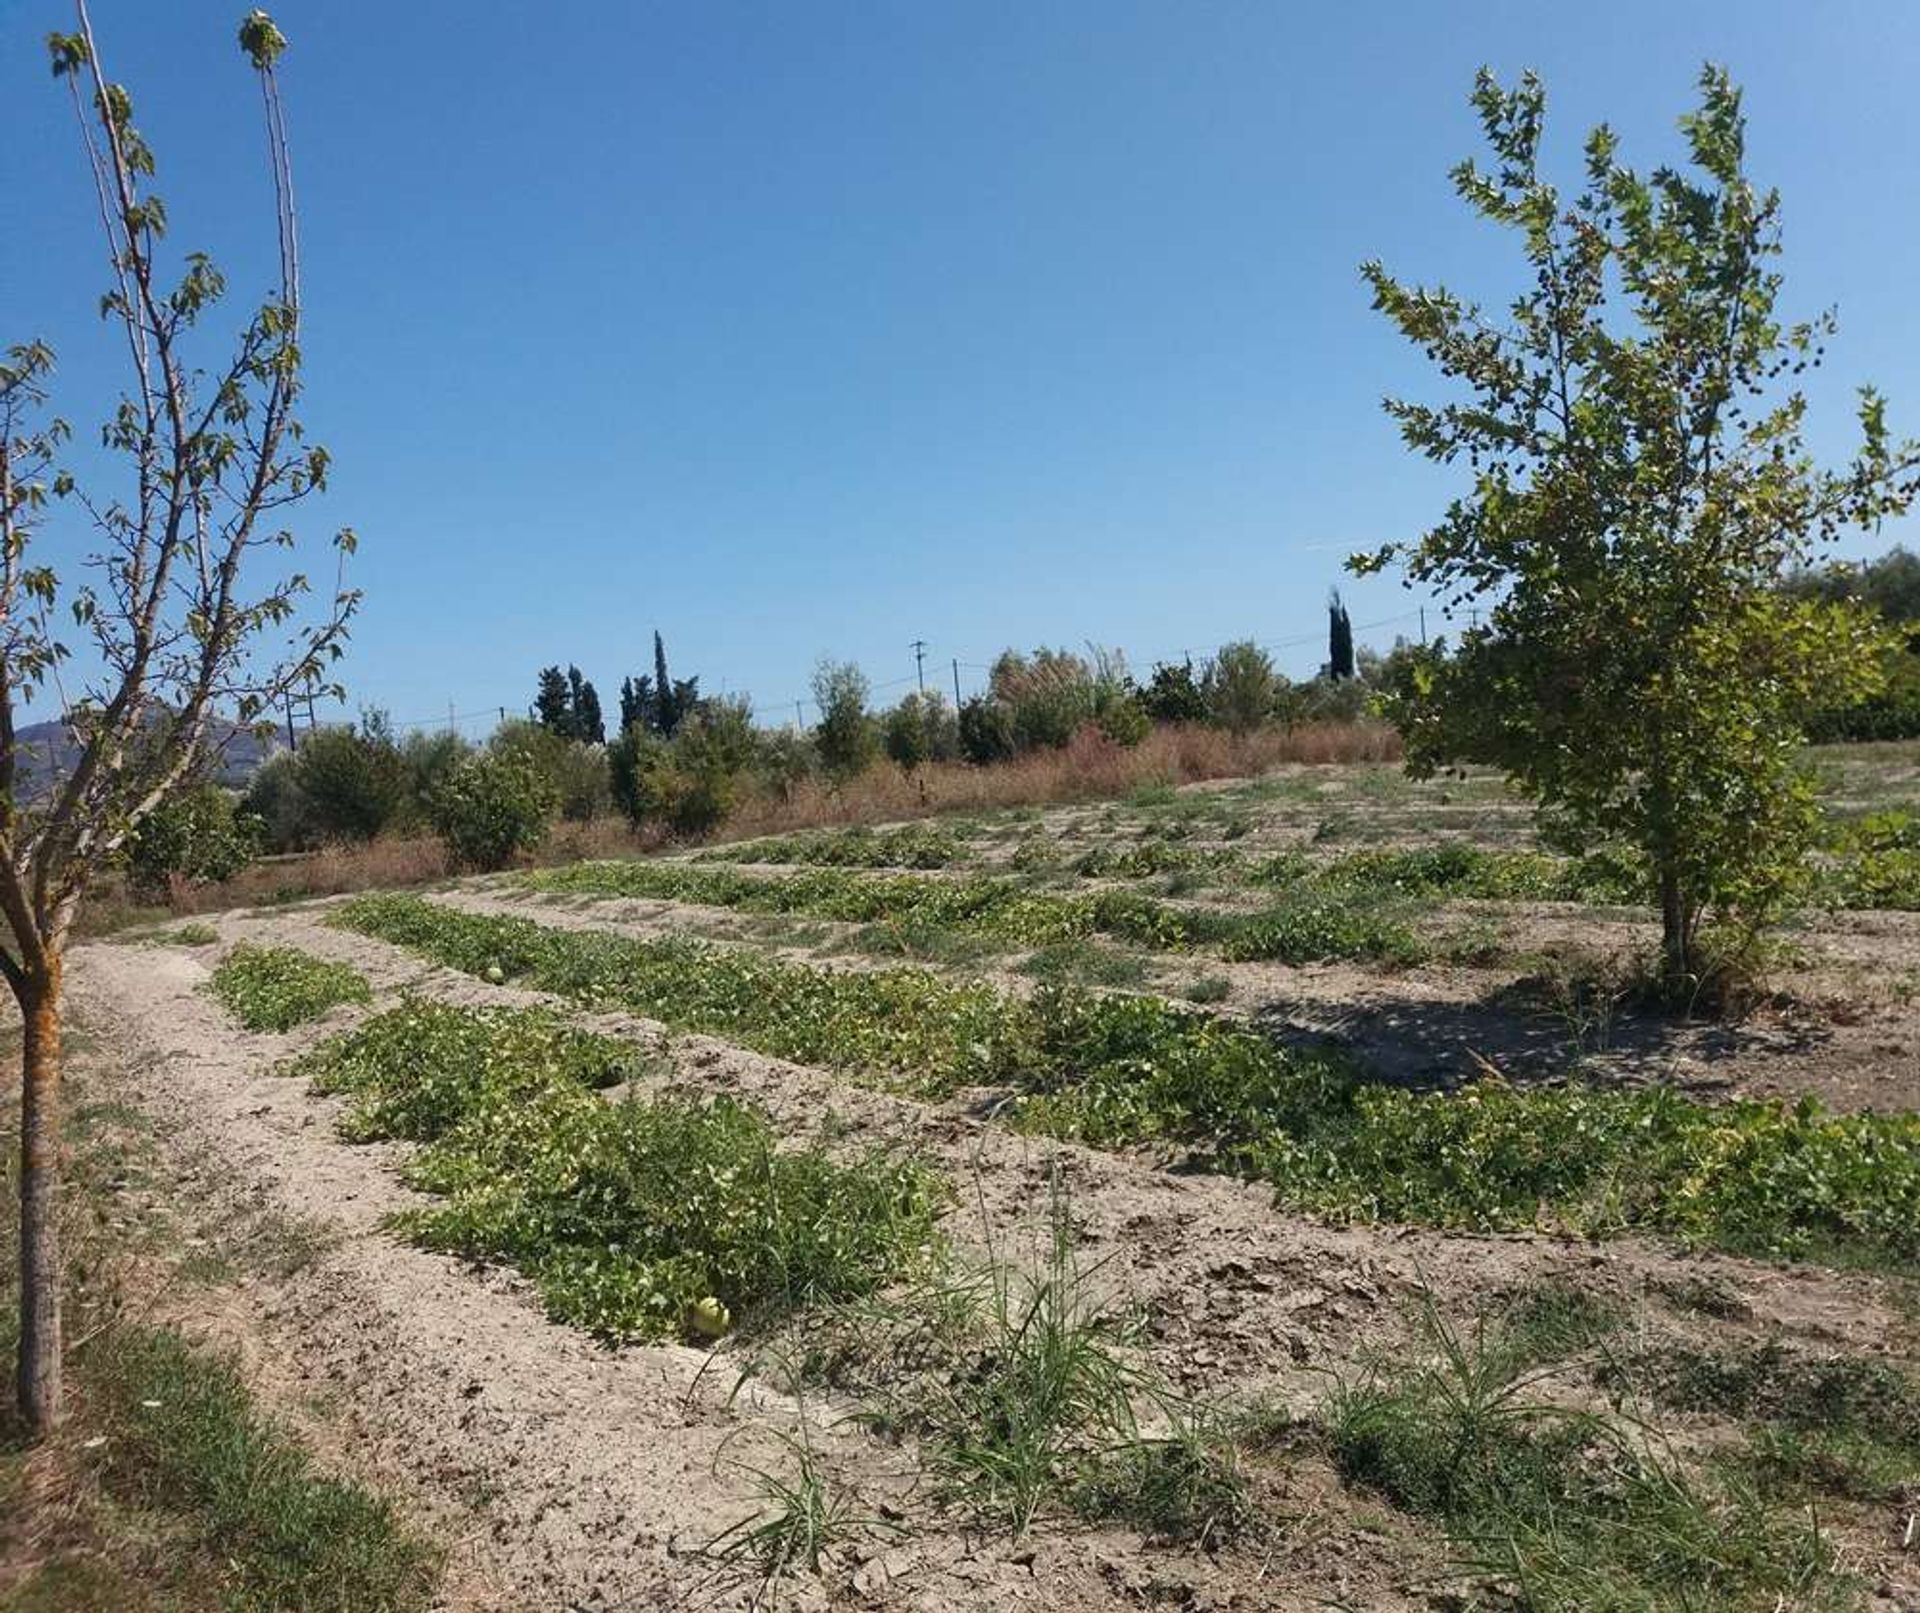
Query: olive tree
point(1640, 486)
point(179, 641)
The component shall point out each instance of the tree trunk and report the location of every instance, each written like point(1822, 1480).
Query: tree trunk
point(39, 1382)
point(1676, 936)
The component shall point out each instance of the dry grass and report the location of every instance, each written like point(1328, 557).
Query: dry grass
point(1091, 768)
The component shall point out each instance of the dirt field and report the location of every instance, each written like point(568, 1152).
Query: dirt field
point(569, 1473)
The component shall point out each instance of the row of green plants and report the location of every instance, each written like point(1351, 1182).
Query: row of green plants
point(919, 845)
point(1765, 1177)
point(277, 988)
point(636, 1218)
point(1311, 923)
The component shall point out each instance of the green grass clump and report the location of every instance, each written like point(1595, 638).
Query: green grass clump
point(917, 846)
point(187, 1445)
point(1838, 1425)
point(1147, 858)
point(1571, 1510)
point(624, 1214)
point(276, 988)
point(1761, 1177)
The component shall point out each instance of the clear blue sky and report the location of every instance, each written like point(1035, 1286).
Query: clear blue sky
point(818, 327)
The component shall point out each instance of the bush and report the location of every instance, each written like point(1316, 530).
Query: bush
point(1124, 721)
point(490, 807)
point(197, 836)
point(574, 771)
point(1173, 695)
point(692, 782)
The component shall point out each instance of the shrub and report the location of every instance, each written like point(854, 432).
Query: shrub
point(1173, 695)
point(197, 836)
point(574, 772)
point(1048, 695)
point(490, 807)
point(692, 782)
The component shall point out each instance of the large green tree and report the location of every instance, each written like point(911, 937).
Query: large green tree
point(1640, 485)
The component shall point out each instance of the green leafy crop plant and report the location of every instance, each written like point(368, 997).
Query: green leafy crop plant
point(626, 1214)
point(915, 847)
point(276, 988)
point(1767, 1178)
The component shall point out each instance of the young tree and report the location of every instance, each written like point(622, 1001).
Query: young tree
point(553, 703)
point(846, 734)
point(671, 701)
point(589, 726)
point(1241, 686)
point(1641, 485)
point(171, 623)
point(1339, 639)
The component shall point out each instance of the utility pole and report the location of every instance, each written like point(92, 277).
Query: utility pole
point(1423, 627)
point(293, 742)
point(311, 723)
point(799, 720)
point(920, 665)
point(453, 723)
point(956, 684)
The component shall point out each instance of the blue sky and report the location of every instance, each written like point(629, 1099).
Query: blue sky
point(814, 328)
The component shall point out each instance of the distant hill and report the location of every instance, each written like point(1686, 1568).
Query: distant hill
point(48, 751)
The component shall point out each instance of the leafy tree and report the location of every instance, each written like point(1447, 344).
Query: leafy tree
point(491, 806)
point(1339, 640)
point(922, 728)
point(1173, 694)
point(573, 772)
point(1641, 485)
point(845, 734)
point(174, 617)
point(1241, 687)
point(553, 704)
point(354, 781)
point(986, 731)
point(195, 835)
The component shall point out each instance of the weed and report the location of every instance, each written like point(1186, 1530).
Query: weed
point(918, 846)
point(1185, 1486)
point(802, 1516)
point(1554, 1320)
point(1571, 1509)
point(1207, 989)
point(181, 935)
point(1086, 963)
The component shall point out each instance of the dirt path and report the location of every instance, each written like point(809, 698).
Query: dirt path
point(596, 1477)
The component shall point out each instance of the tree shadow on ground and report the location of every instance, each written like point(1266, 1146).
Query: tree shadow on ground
point(1531, 1041)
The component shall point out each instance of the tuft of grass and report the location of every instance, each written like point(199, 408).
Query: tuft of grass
point(1183, 1487)
point(1553, 1321)
point(803, 1516)
point(626, 1215)
point(1207, 989)
point(1087, 963)
point(1571, 1510)
point(276, 988)
point(187, 1445)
